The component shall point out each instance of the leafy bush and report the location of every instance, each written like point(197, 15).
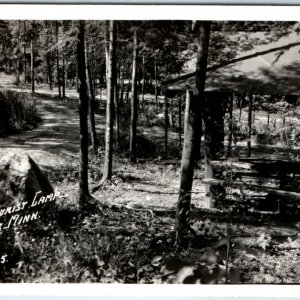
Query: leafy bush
point(17, 113)
point(151, 117)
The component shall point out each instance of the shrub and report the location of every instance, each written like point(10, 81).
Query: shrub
point(17, 113)
point(151, 117)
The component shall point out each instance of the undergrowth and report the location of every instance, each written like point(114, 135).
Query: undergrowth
point(17, 113)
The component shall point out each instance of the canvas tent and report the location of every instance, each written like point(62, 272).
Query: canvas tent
point(273, 68)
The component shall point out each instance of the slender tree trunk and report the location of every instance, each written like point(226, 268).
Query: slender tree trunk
point(63, 77)
point(18, 54)
point(149, 84)
point(107, 172)
point(143, 85)
point(117, 115)
point(83, 112)
point(214, 136)
point(240, 107)
point(32, 67)
point(171, 115)
point(116, 99)
point(155, 88)
point(57, 61)
point(25, 64)
point(122, 84)
point(249, 126)
point(230, 125)
point(93, 73)
point(24, 53)
point(91, 96)
point(192, 134)
point(49, 70)
point(77, 84)
point(268, 120)
point(127, 91)
point(179, 121)
point(107, 55)
point(166, 126)
point(134, 101)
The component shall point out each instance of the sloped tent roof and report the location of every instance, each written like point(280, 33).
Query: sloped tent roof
point(269, 69)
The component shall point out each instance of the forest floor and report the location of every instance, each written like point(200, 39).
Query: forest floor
point(135, 229)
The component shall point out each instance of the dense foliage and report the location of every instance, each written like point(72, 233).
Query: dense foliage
point(17, 112)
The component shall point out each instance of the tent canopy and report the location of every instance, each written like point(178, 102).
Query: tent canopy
point(273, 68)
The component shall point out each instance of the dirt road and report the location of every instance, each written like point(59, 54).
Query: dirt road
point(55, 142)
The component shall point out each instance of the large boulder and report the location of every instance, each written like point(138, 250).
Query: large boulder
point(27, 199)
point(21, 179)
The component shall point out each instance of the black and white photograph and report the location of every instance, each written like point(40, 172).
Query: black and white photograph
point(149, 151)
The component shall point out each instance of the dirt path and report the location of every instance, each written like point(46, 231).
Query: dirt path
point(55, 142)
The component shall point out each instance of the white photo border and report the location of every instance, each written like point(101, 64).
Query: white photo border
point(150, 12)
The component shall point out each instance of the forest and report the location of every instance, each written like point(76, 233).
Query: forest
point(149, 151)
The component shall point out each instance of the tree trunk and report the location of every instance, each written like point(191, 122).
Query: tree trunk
point(214, 136)
point(91, 96)
point(117, 114)
point(83, 112)
point(116, 99)
point(155, 88)
point(166, 126)
point(170, 114)
point(268, 120)
point(107, 171)
point(24, 53)
point(63, 77)
point(128, 89)
point(122, 84)
point(179, 122)
point(49, 70)
point(229, 150)
point(57, 61)
point(192, 134)
point(107, 52)
point(18, 54)
point(143, 84)
point(134, 101)
point(249, 126)
point(240, 107)
point(25, 65)
point(32, 67)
